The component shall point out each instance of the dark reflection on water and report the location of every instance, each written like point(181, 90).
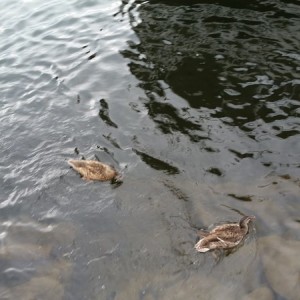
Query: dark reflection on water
point(238, 59)
point(157, 164)
point(104, 114)
point(170, 120)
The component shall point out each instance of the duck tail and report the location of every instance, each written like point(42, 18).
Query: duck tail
point(74, 163)
point(200, 248)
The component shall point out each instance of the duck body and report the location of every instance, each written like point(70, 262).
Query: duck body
point(94, 170)
point(225, 236)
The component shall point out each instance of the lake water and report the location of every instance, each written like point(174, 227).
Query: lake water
point(197, 102)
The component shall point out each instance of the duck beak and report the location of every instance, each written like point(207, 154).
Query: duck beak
point(252, 218)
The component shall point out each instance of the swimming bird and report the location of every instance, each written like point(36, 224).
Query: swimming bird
point(225, 236)
point(95, 170)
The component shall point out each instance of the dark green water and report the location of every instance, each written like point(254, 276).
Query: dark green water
point(198, 102)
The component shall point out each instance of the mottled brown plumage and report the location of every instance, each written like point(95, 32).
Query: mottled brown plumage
point(94, 170)
point(225, 236)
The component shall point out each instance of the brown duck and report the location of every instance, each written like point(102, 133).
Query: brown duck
point(95, 170)
point(225, 236)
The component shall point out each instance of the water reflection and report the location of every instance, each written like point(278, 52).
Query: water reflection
point(104, 114)
point(226, 57)
point(157, 164)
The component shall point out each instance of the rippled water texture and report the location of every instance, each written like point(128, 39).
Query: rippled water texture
point(197, 102)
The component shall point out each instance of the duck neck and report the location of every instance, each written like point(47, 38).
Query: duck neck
point(244, 224)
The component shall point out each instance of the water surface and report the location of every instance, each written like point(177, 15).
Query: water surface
point(197, 102)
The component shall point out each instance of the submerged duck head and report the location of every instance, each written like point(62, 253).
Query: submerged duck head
point(118, 178)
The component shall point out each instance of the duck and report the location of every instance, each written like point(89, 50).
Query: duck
point(225, 236)
point(95, 170)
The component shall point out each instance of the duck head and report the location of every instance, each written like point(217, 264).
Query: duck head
point(244, 222)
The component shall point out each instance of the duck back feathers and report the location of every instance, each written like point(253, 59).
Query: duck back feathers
point(93, 170)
